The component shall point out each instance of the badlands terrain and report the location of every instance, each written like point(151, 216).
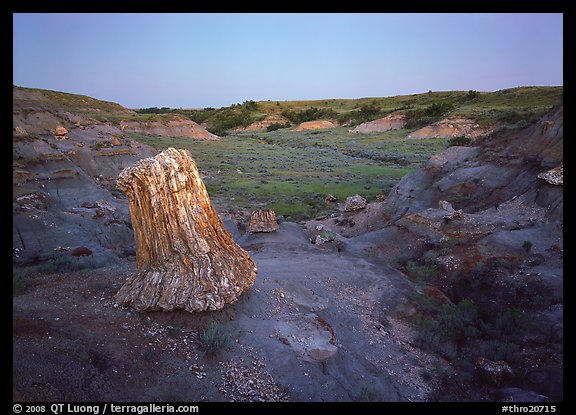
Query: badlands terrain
point(418, 257)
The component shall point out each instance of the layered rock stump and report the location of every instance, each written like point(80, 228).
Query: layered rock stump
point(185, 258)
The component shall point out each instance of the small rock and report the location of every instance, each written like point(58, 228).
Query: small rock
point(445, 205)
point(60, 131)
point(455, 215)
point(20, 132)
point(554, 176)
point(355, 202)
point(493, 372)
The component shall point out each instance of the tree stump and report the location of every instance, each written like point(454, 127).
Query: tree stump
point(185, 258)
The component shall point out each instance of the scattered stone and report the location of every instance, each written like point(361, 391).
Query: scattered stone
point(492, 372)
point(249, 384)
point(355, 202)
point(263, 220)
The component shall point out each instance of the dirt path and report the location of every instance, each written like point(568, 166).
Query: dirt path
point(316, 326)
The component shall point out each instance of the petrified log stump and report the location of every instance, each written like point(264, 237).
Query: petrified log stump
point(263, 220)
point(185, 258)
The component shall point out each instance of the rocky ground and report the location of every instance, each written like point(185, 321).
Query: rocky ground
point(314, 327)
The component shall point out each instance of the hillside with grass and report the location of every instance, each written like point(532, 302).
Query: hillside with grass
point(487, 108)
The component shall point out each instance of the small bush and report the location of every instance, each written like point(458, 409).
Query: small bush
point(214, 338)
point(276, 126)
point(446, 244)
point(472, 94)
point(459, 141)
point(527, 245)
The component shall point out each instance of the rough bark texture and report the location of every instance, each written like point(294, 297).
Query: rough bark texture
point(185, 257)
point(263, 220)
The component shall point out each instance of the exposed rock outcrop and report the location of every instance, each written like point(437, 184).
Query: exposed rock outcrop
point(185, 257)
point(52, 179)
point(177, 127)
point(387, 123)
point(450, 127)
point(316, 125)
point(263, 220)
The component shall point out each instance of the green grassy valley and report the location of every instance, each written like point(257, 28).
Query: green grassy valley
point(292, 172)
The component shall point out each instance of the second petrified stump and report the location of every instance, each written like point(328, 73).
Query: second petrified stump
point(185, 258)
point(263, 220)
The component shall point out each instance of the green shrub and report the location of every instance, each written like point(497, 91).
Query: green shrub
point(309, 114)
point(214, 338)
point(101, 144)
point(422, 273)
point(276, 126)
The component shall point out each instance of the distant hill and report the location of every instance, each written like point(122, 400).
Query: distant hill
point(487, 108)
